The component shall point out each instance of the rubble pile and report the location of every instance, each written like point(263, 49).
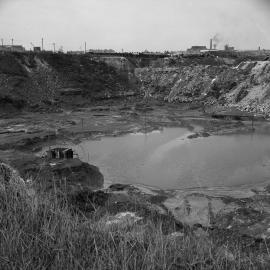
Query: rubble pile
point(245, 86)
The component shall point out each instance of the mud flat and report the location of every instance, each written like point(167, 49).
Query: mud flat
point(28, 131)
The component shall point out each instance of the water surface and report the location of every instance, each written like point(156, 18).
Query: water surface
point(168, 160)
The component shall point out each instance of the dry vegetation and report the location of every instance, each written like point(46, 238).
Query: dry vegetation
point(42, 232)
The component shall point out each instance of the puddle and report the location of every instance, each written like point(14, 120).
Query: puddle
point(167, 159)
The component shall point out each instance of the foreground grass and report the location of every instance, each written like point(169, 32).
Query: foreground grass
point(46, 234)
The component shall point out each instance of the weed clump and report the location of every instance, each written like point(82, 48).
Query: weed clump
point(44, 232)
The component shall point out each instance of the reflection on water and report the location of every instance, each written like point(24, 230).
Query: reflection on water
point(167, 159)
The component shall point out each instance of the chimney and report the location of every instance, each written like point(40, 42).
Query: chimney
point(211, 44)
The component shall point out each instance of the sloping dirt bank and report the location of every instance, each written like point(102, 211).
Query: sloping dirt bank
point(53, 82)
point(245, 86)
point(47, 81)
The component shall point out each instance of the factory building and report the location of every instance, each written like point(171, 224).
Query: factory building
point(12, 48)
point(196, 49)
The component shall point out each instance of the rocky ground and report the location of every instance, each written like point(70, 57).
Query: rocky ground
point(54, 82)
point(244, 86)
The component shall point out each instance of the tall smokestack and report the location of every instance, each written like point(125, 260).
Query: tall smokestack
point(211, 44)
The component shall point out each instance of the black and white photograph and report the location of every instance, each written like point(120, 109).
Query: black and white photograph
point(134, 134)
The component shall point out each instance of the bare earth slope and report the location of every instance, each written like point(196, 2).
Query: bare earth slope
point(245, 86)
point(53, 81)
point(47, 80)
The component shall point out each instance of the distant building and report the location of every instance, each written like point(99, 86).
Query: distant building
point(37, 49)
point(196, 49)
point(101, 51)
point(75, 52)
point(229, 48)
point(12, 48)
point(176, 53)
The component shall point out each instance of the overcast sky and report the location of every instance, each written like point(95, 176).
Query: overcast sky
point(136, 25)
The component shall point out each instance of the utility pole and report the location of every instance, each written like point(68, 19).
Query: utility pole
point(2, 41)
point(53, 47)
point(42, 44)
point(12, 42)
point(84, 47)
point(32, 45)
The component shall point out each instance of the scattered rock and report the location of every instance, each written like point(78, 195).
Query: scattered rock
point(198, 135)
point(194, 209)
point(176, 235)
point(123, 219)
point(118, 187)
point(193, 136)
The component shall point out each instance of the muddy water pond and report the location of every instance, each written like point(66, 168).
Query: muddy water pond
point(167, 159)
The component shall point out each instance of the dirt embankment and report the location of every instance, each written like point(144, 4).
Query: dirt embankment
point(245, 85)
point(57, 80)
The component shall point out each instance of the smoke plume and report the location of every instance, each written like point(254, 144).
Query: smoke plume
point(217, 39)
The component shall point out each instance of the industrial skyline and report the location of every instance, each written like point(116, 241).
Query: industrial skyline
point(214, 45)
point(155, 25)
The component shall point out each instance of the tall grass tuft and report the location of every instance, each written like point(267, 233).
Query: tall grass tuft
point(46, 234)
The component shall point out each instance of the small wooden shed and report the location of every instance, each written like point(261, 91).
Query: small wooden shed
point(60, 153)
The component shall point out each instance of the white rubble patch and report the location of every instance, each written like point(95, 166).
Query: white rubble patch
point(259, 68)
point(236, 67)
point(256, 86)
point(212, 82)
point(52, 164)
point(27, 68)
point(176, 235)
point(41, 64)
point(146, 190)
point(124, 218)
point(194, 208)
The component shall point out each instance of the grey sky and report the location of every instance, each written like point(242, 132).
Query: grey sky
point(136, 24)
